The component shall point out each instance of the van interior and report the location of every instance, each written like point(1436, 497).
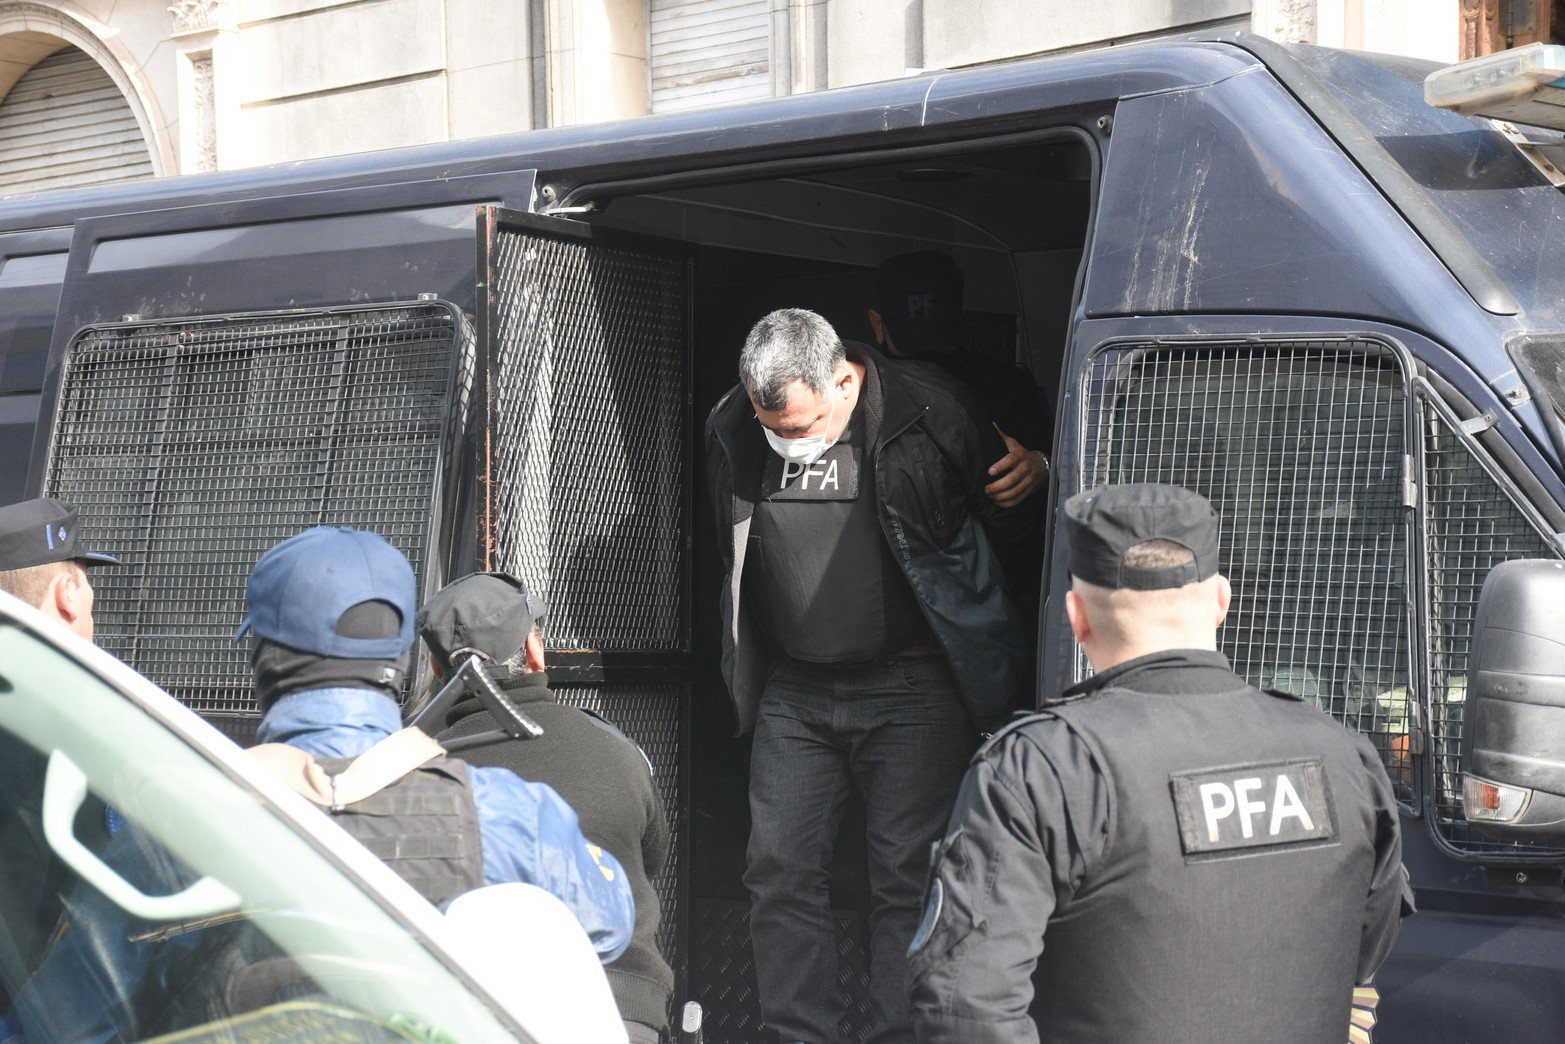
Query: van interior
point(1015, 219)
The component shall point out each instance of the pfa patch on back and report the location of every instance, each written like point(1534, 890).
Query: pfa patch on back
point(1243, 807)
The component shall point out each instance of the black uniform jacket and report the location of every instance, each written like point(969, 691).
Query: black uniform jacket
point(1182, 856)
point(606, 779)
point(932, 446)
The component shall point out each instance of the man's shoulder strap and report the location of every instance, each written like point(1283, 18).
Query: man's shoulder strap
point(371, 772)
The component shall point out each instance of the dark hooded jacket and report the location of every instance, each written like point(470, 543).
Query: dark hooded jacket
point(931, 447)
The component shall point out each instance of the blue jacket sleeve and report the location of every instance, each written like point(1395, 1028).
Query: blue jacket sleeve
point(531, 835)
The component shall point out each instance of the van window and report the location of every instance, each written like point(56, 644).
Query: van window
point(1301, 448)
point(193, 446)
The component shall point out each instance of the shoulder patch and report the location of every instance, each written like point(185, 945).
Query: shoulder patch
point(1018, 720)
point(1243, 809)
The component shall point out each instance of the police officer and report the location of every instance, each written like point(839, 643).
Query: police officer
point(920, 314)
point(331, 612)
point(1193, 858)
point(590, 763)
point(44, 562)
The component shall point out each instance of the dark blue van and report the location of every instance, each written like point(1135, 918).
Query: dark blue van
point(1274, 275)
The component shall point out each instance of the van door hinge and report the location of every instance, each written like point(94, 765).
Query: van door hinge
point(1481, 423)
point(1417, 735)
point(1409, 482)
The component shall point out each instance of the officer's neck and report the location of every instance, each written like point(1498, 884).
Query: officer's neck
point(1105, 657)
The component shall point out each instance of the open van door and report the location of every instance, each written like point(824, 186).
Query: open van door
point(584, 476)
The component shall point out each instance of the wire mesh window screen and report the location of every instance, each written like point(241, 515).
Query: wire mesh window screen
point(588, 422)
point(651, 713)
point(1471, 526)
point(193, 447)
point(1300, 447)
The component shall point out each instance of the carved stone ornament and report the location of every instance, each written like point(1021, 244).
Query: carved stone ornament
point(1286, 21)
point(206, 111)
point(194, 15)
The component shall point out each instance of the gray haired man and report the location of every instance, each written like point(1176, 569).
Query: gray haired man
point(869, 637)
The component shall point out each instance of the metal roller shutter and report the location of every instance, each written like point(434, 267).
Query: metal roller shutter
point(709, 51)
point(64, 124)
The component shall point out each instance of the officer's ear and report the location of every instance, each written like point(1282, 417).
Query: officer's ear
point(878, 325)
point(70, 598)
point(1076, 612)
point(1225, 595)
point(534, 650)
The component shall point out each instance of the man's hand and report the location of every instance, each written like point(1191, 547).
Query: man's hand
point(1017, 475)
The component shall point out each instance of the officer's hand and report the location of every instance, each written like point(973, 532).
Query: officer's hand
point(1018, 475)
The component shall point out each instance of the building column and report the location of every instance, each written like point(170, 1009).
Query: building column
point(595, 54)
point(798, 52)
point(1417, 28)
point(207, 60)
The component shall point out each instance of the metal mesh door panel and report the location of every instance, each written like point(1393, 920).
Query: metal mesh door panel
point(652, 714)
point(1300, 447)
point(194, 446)
point(1471, 526)
point(588, 418)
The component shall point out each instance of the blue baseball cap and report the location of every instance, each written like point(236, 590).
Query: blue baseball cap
point(299, 590)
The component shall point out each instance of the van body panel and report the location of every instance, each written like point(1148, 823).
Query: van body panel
point(1225, 208)
point(1255, 209)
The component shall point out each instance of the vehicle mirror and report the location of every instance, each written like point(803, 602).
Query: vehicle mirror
point(1513, 746)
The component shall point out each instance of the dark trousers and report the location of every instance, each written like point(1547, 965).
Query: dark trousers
point(896, 732)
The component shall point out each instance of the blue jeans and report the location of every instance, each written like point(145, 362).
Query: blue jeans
point(895, 731)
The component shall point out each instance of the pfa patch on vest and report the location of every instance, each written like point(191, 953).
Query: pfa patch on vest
point(835, 476)
point(1243, 807)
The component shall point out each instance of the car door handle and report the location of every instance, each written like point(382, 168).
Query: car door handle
point(64, 790)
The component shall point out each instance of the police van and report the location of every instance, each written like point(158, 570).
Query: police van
point(1275, 275)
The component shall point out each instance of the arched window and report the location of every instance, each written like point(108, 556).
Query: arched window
point(65, 123)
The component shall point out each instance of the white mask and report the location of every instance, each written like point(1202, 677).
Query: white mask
point(806, 450)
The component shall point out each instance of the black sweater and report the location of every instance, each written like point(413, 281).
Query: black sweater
point(603, 776)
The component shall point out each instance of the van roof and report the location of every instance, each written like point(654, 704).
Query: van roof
point(890, 112)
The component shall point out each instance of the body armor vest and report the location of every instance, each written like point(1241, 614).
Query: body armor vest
point(1229, 897)
point(424, 826)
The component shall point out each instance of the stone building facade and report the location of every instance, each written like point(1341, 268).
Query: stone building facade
point(221, 84)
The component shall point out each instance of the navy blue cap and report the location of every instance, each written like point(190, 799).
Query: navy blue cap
point(37, 532)
point(487, 613)
point(300, 589)
point(1102, 524)
point(919, 298)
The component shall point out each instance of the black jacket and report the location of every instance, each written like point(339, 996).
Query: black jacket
point(1186, 858)
point(932, 447)
point(606, 779)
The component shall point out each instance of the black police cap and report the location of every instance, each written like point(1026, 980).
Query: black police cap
point(1102, 524)
point(37, 532)
point(486, 613)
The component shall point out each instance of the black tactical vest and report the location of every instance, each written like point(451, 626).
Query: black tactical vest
point(1229, 898)
point(424, 826)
